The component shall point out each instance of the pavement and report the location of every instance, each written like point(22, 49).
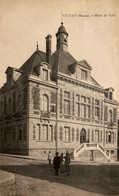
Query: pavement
point(7, 178)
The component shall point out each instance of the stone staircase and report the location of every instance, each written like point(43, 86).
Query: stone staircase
point(90, 147)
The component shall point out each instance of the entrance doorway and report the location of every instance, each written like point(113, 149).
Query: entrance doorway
point(83, 136)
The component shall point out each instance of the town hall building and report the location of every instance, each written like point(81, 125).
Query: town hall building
point(52, 103)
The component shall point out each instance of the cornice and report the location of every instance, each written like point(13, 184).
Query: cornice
point(80, 83)
point(113, 102)
point(45, 83)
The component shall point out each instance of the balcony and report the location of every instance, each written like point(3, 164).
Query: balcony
point(44, 114)
point(110, 125)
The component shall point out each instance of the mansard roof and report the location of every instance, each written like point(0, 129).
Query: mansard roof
point(61, 60)
point(36, 58)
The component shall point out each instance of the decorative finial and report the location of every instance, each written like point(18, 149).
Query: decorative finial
point(61, 17)
point(36, 45)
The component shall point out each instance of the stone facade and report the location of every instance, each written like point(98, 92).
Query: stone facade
point(53, 103)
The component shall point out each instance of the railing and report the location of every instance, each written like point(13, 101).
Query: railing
point(79, 148)
point(104, 151)
point(45, 114)
point(91, 145)
point(101, 148)
point(87, 146)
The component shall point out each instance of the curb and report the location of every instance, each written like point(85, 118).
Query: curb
point(8, 181)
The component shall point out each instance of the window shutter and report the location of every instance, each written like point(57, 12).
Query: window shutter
point(53, 97)
point(72, 134)
point(105, 113)
point(73, 105)
point(114, 114)
point(92, 135)
point(100, 136)
point(36, 97)
point(61, 133)
point(25, 98)
point(114, 137)
point(77, 134)
point(93, 108)
point(101, 109)
point(55, 133)
point(88, 139)
point(60, 100)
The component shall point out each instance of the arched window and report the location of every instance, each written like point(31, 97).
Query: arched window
point(83, 136)
point(110, 116)
point(45, 103)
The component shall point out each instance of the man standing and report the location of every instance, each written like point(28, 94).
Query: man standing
point(67, 162)
point(56, 163)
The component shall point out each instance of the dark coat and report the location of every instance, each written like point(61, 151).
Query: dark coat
point(56, 162)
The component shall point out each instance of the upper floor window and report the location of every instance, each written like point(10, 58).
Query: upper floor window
point(19, 102)
point(9, 106)
point(88, 100)
point(77, 105)
point(97, 113)
point(45, 103)
point(110, 95)
point(66, 95)
point(67, 103)
point(45, 74)
point(83, 74)
point(83, 110)
point(83, 99)
point(96, 102)
point(110, 116)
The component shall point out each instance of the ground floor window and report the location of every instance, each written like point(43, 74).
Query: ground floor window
point(97, 136)
point(14, 135)
point(20, 134)
point(112, 151)
point(109, 137)
point(66, 134)
point(45, 132)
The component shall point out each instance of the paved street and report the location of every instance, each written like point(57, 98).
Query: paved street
point(33, 177)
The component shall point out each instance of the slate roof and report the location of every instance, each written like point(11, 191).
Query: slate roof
point(36, 58)
point(61, 60)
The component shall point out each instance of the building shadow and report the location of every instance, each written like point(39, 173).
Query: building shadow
point(101, 179)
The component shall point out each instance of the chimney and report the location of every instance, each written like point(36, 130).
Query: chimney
point(48, 48)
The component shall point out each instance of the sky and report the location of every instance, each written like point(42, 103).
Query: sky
point(92, 25)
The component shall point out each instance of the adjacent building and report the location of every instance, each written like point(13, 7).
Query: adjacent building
point(53, 103)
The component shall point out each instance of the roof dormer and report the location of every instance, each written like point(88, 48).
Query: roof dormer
point(12, 74)
point(81, 69)
point(43, 70)
point(109, 93)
